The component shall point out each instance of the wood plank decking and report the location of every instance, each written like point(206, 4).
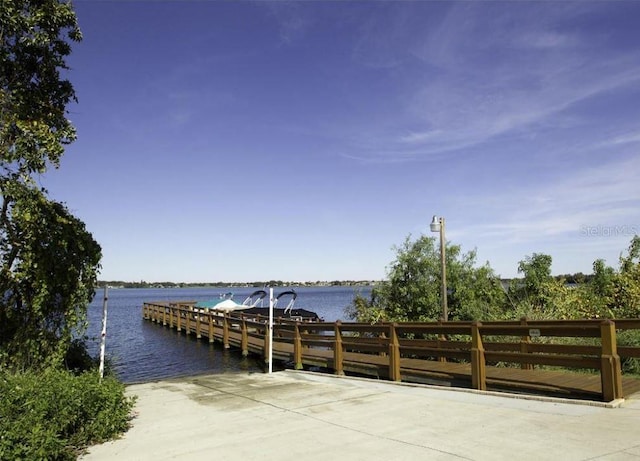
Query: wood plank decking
point(393, 352)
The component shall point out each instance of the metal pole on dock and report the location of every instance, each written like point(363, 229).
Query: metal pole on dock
point(270, 330)
point(103, 339)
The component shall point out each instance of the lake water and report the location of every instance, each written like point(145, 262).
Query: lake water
point(142, 351)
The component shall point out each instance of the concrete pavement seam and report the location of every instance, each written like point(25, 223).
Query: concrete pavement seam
point(622, 450)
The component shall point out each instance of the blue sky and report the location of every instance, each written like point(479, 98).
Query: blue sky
point(242, 141)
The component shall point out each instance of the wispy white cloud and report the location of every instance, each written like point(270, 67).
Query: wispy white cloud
point(293, 20)
point(627, 138)
point(591, 197)
point(458, 113)
point(547, 40)
point(487, 76)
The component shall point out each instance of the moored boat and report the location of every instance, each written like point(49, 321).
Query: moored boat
point(287, 312)
point(250, 306)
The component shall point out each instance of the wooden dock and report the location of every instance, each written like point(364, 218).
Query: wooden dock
point(513, 356)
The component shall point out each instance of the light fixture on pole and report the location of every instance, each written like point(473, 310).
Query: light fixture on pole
point(437, 225)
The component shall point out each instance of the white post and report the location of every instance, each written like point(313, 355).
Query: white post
point(270, 330)
point(104, 332)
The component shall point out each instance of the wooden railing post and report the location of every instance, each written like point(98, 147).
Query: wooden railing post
point(187, 321)
point(245, 338)
point(394, 354)
point(164, 316)
point(297, 347)
point(225, 330)
point(212, 322)
point(381, 340)
point(179, 315)
point(610, 369)
point(265, 346)
point(197, 311)
point(478, 370)
point(338, 351)
point(524, 345)
point(441, 338)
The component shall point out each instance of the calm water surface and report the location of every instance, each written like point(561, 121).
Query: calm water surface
point(141, 351)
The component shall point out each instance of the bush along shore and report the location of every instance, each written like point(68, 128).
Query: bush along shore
point(55, 414)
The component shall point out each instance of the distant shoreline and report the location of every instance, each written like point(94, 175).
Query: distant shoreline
point(570, 279)
point(271, 283)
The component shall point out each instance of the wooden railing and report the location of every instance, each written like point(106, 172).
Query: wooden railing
point(405, 351)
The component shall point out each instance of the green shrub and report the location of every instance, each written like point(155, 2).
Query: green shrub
point(630, 338)
point(54, 414)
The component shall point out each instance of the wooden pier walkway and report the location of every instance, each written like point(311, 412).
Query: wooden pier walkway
point(501, 356)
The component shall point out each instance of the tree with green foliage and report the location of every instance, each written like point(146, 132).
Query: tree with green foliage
point(622, 288)
point(48, 260)
point(607, 293)
point(539, 295)
point(531, 289)
point(602, 279)
point(413, 289)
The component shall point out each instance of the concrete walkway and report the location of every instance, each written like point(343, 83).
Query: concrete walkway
point(304, 416)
